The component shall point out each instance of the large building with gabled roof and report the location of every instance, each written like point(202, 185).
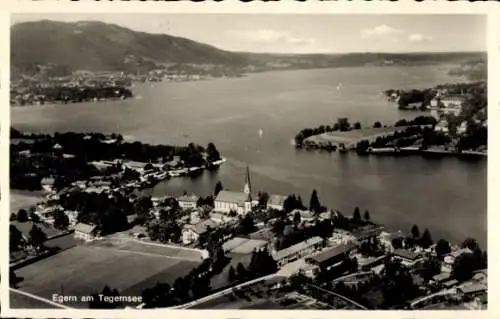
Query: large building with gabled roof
point(239, 202)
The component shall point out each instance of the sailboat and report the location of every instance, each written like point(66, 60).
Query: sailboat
point(339, 86)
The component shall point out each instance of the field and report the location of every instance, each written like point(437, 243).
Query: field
point(86, 269)
point(354, 136)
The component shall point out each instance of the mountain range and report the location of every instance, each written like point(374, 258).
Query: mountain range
point(98, 46)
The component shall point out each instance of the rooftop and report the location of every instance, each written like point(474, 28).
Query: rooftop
point(85, 228)
point(472, 288)
point(203, 226)
point(298, 247)
point(232, 197)
point(332, 252)
point(276, 200)
point(441, 277)
point(188, 198)
point(406, 254)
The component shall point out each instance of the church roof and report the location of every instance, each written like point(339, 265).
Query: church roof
point(232, 197)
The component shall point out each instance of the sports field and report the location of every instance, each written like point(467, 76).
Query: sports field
point(86, 269)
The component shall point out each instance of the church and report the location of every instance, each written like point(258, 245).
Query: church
point(240, 202)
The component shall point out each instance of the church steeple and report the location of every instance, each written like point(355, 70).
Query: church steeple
point(248, 186)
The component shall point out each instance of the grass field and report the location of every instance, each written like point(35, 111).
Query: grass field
point(354, 136)
point(83, 270)
point(131, 245)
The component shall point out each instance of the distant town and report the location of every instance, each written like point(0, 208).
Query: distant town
point(235, 249)
point(457, 126)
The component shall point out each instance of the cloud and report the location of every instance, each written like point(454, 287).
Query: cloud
point(267, 36)
point(418, 38)
point(380, 31)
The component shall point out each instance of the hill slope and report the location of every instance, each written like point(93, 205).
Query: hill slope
point(90, 45)
point(100, 46)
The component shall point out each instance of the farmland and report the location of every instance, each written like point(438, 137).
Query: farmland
point(86, 269)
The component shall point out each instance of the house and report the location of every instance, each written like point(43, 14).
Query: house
point(481, 276)
point(365, 234)
point(48, 184)
point(331, 256)
point(188, 201)
point(407, 258)
point(305, 215)
point(370, 263)
point(221, 218)
point(386, 239)
point(85, 231)
point(227, 201)
point(449, 260)
point(191, 233)
point(471, 290)
point(449, 283)
point(297, 251)
point(440, 278)
point(338, 238)
point(452, 101)
point(276, 202)
point(442, 126)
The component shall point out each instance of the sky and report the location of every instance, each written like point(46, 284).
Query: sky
point(310, 33)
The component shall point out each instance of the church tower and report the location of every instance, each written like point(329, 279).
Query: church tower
point(248, 186)
point(247, 189)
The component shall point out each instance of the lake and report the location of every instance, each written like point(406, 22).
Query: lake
point(448, 196)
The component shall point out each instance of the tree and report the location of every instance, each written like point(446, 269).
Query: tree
point(343, 124)
point(397, 243)
point(37, 236)
point(426, 240)
point(442, 247)
point(357, 126)
point(263, 199)
point(356, 216)
point(16, 240)
point(218, 188)
point(470, 243)
point(61, 220)
point(296, 218)
point(22, 216)
point(241, 272)
point(430, 268)
point(377, 125)
point(463, 267)
point(314, 204)
point(231, 274)
point(415, 232)
point(367, 216)
point(34, 217)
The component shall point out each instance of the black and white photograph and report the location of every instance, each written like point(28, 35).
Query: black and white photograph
point(248, 161)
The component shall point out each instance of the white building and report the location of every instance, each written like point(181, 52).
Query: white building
point(85, 231)
point(297, 251)
point(191, 233)
point(188, 201)
point(276, 202)
point(386, 239)
point(240, 202)
point(48, 184)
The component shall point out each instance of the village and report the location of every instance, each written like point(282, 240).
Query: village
point(318, 247)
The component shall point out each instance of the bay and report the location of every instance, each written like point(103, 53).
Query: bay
point(252, 120)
